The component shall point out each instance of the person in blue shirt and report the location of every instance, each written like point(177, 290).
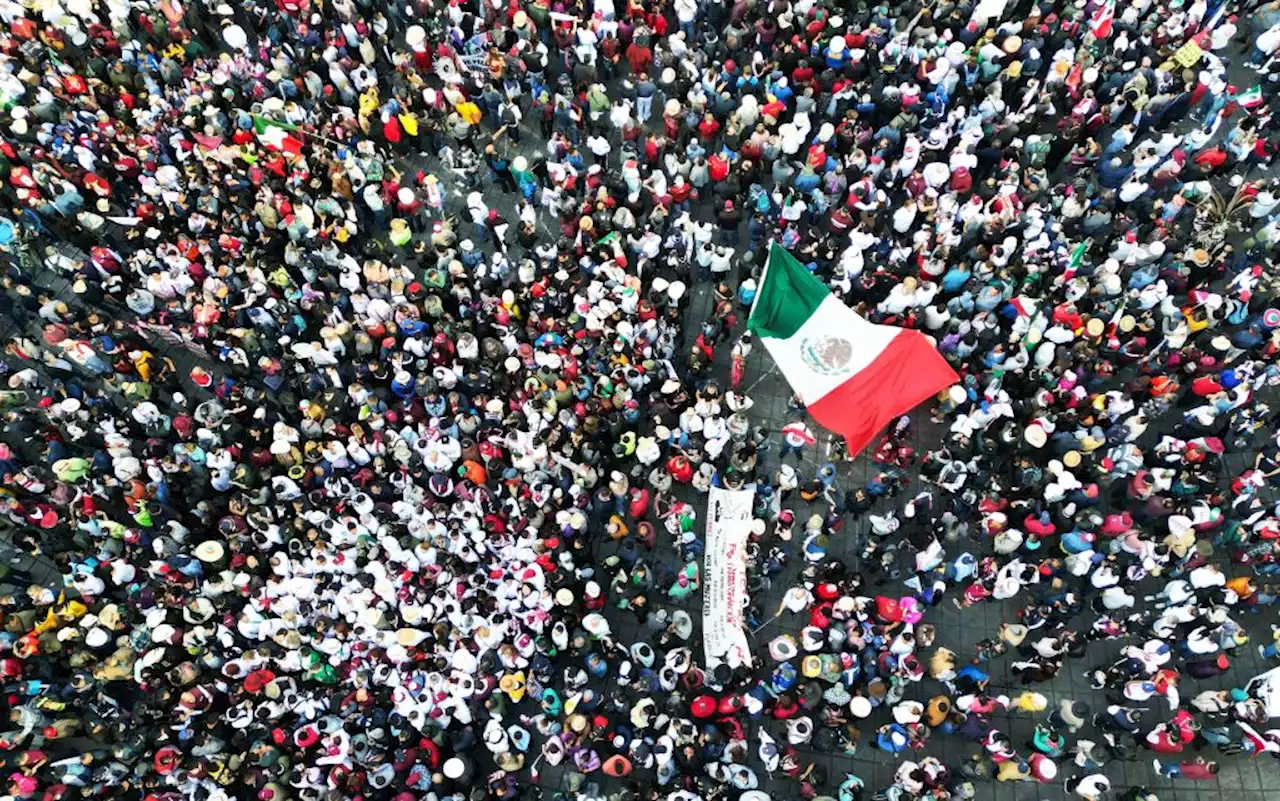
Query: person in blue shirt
point(1112, 173)
point(955, 278)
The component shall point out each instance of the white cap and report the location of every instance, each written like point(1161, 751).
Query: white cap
point(860, 706)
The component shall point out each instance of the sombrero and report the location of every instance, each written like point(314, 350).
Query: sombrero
point(210, 551)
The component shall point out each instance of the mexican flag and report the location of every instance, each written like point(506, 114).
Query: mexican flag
point(1103, 19)
point(1077, 258)
point(856, 377)
point(1251, 98)
point(277, 135)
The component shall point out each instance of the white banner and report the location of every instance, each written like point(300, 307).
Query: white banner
point(724, 590)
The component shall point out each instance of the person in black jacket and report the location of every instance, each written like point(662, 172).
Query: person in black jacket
point(729, 218)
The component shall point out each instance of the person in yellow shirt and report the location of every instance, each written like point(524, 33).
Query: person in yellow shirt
point(469, 112)
point(368, 107)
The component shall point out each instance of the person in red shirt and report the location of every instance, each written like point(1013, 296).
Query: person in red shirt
point(392, 131)
point(639, 56)
point(652, 149)
point(717, 167)
point(709, 127)
point(1068, 315)
point(671, 126)
point(409, 207)
point(681, 191)
point(1211, 159)
point(1206, 385)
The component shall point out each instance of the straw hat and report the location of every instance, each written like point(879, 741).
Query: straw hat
point(210, 551)
point(1013, 633)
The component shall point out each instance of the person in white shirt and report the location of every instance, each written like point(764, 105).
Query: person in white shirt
point(686, 15)
point(1092, 787)
point(1264, 47)
point(1132, 190)
point(721, 262)
point(904, 217)
point(1223, 34)
point(600, 148)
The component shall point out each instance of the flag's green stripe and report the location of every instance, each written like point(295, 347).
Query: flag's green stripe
point(261, 124)
point(788, 297)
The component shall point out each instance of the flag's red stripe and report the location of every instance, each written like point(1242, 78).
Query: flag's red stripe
point(905, 373)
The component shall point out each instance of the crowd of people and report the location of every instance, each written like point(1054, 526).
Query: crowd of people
point(368, 365)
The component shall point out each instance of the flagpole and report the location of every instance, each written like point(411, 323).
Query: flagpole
point(760, 285)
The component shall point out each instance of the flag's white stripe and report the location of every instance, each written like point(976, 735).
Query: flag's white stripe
point(835, 321)
point(274, 137)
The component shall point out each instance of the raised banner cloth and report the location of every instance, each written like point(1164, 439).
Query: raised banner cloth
point(724, 591)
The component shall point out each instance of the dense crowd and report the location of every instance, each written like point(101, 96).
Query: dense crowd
point(365, 453)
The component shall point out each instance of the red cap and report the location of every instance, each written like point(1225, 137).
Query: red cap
point(704, 706)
